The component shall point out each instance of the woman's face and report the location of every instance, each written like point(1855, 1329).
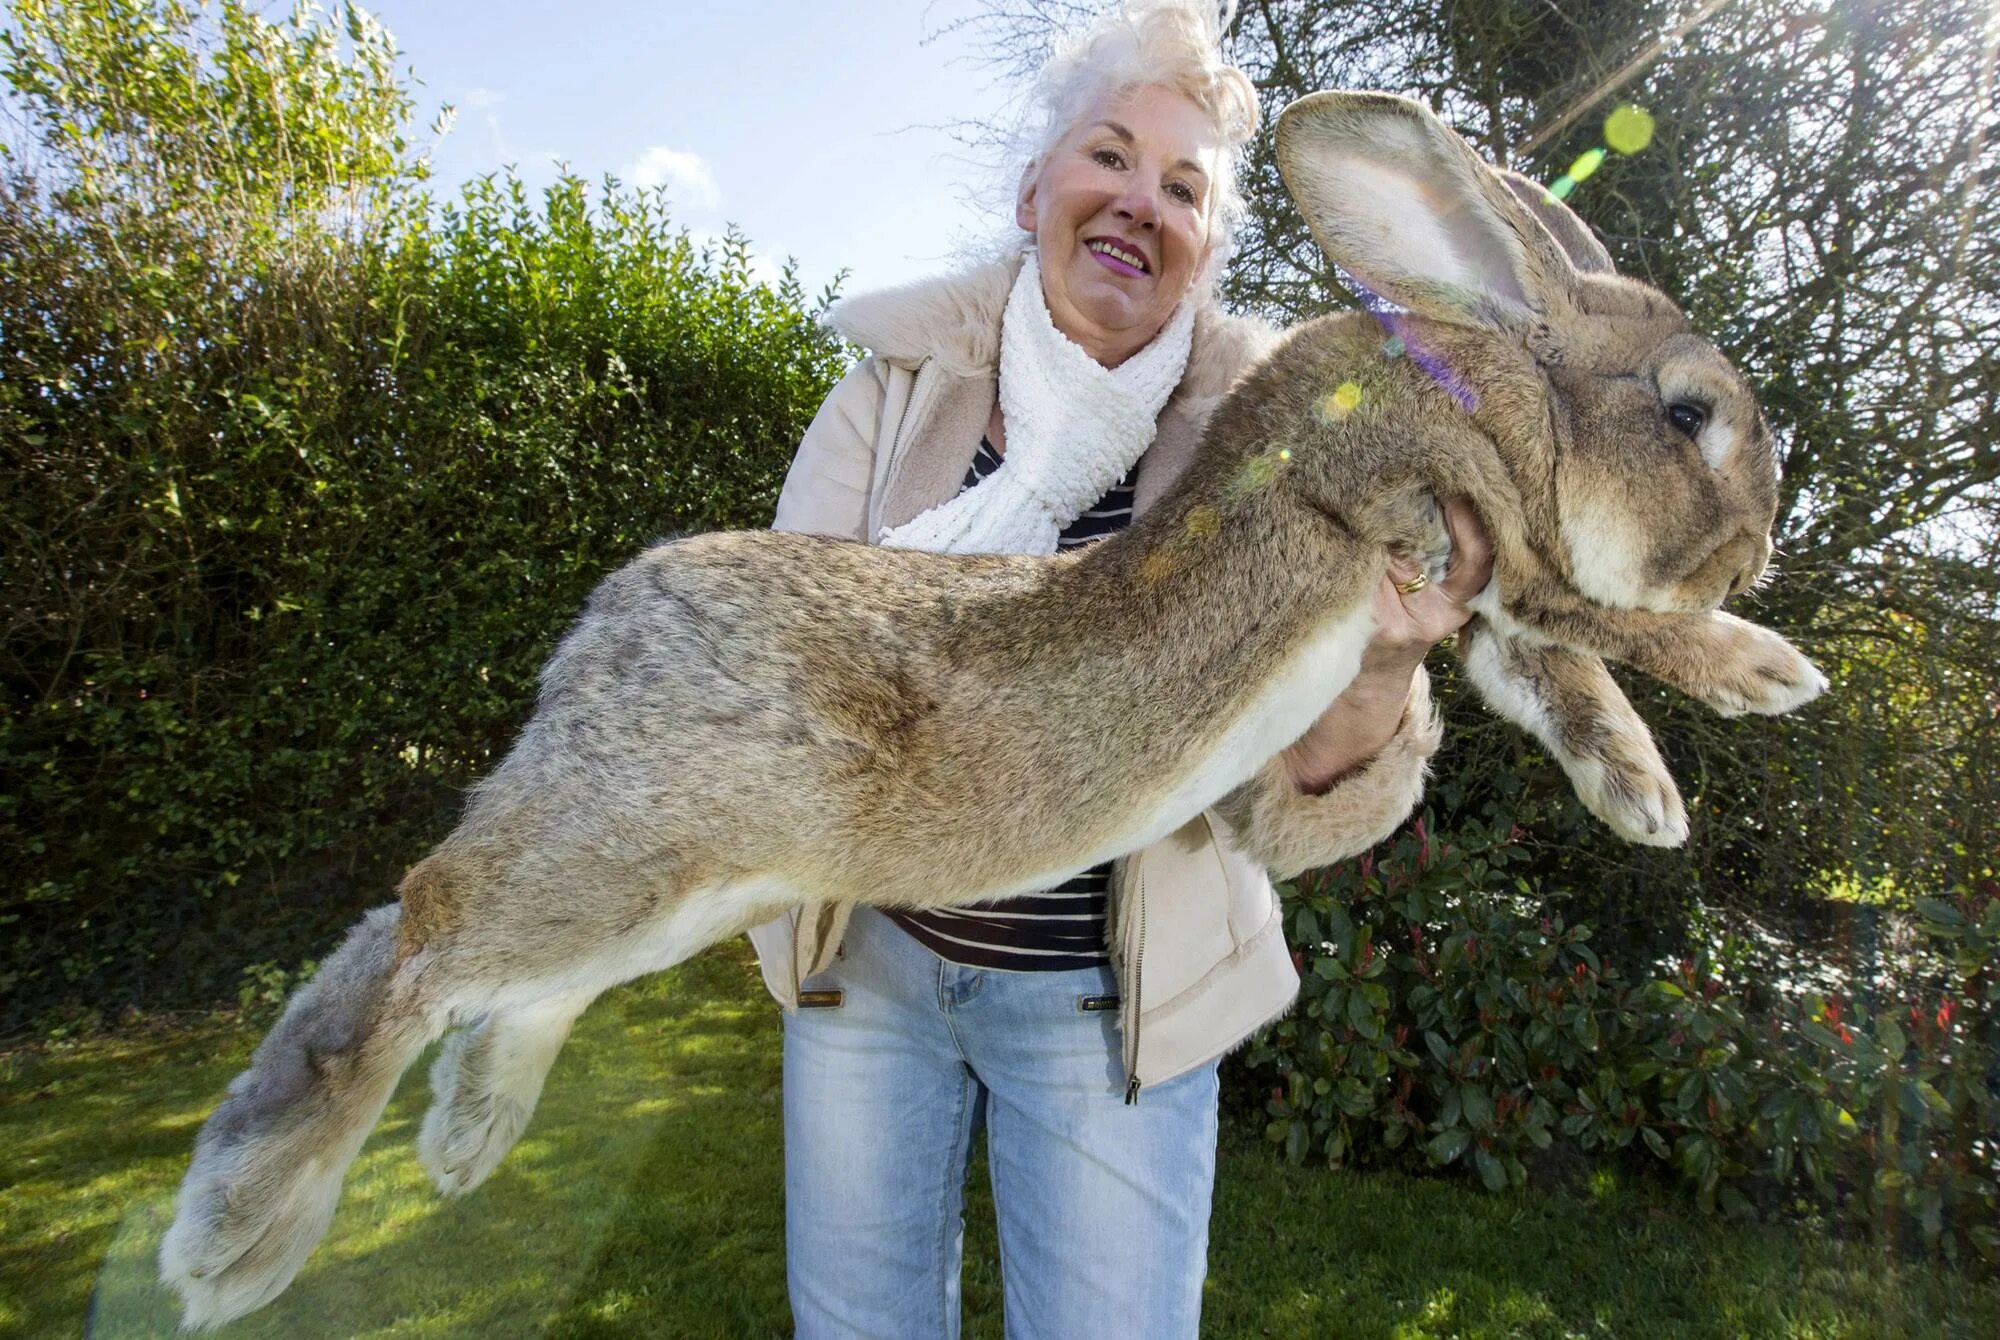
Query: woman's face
point(1122, 213)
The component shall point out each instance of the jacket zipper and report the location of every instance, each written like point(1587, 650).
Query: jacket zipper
point(1130, 1004)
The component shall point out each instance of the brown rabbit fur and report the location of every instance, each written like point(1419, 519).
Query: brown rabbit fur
point(742, 722)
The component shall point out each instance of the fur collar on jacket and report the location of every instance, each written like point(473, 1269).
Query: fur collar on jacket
point(956, 319)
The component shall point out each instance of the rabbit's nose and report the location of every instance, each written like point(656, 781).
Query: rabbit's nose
point(1755, 565)
point(1734, 566)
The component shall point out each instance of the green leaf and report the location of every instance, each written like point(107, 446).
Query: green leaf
point(1936, 909)
point(1936, 1101)
point(1361, 1015)
point(1478, 1105)
point(1490, 1170)
point(1448, 1145)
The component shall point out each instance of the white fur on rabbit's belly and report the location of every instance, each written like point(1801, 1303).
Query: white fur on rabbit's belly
point(1291, 700)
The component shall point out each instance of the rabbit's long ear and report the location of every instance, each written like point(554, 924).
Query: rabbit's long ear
point(1404, 205)
point(1571, 233)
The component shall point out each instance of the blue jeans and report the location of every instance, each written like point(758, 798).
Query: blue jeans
point(1103, 1207)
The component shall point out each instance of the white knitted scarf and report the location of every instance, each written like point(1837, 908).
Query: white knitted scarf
point(1074, 428)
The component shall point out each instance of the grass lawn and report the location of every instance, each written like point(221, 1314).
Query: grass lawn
point(646, 1200)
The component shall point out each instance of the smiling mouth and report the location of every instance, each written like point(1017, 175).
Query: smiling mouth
point(1117, 258)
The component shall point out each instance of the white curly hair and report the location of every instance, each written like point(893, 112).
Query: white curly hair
point(1140, 44)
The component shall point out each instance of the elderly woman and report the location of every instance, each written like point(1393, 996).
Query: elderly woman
point(1029, 405)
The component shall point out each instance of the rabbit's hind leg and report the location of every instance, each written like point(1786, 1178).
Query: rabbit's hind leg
point(489, 1075)
point(485, 1084)
point(269, 1161)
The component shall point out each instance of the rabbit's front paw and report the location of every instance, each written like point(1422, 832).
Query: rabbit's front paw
point(1763, 673)
point(1626, 784)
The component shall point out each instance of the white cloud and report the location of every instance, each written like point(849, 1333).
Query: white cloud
point(479, 99)
point(686, 175)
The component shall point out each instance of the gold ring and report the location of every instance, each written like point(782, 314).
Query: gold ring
point(1414, 585)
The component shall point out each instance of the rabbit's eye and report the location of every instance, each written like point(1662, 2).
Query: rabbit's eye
point(1687, 417)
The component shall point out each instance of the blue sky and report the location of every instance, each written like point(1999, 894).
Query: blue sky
point(802, 123)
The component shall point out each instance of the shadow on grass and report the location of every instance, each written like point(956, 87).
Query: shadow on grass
point(647, 1199)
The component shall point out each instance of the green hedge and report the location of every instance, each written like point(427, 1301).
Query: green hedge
point(290, 528)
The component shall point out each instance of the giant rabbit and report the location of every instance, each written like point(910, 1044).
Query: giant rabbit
point(747, 721)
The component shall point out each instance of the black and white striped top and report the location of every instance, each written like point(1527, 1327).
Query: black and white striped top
point(1056, 928)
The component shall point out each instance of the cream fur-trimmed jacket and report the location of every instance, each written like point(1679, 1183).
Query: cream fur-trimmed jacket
point(1197, 941)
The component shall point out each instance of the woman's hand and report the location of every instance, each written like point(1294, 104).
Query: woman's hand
point(1365, 715)
point(1408, 626)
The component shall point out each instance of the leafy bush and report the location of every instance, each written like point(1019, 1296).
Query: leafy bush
point(305, 476)
point(266, 986)
point(1450, 1015)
